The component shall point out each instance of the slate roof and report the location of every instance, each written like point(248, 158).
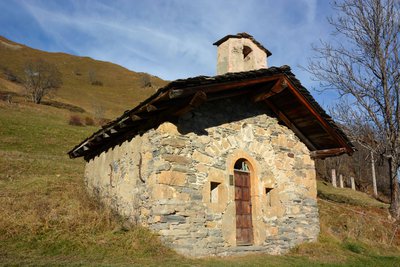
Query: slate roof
point(295, 105)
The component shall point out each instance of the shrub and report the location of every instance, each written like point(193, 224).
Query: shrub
point(353, 246)
point(145, 80)
point(10, 75)
point(9, 98)
point(97, 83)
point(103, 121)
point(77, 72)
point(75, 120)
point(89, 121)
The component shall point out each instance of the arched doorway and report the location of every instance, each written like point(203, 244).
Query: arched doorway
point(244, 224)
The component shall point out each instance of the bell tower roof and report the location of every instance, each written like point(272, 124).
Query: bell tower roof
point(243, 35)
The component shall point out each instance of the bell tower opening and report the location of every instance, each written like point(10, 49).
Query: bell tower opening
point(246, 51)
point(240, 52)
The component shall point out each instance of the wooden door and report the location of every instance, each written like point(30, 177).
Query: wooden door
point(244, 225)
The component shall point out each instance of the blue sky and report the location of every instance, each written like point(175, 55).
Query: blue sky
point(169, 38)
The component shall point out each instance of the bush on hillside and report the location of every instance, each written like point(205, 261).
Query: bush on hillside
point(75, 120)
point(89, 121)
point(103, 121)
point(97, 83)
point(94, 79)
point(11, 76)
point(145, 80)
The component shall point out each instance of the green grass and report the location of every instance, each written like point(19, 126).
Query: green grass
point(46, 217)
point(347, 196)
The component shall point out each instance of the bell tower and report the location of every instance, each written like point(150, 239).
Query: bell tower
point(240, 52)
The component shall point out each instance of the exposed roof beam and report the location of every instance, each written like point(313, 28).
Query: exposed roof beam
point(233, 93)
point(289, 124)
point(199, 98)
point(319, 118)
point(278, 87)
point(321, 154)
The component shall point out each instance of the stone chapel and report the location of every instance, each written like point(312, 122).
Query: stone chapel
point(218, 165)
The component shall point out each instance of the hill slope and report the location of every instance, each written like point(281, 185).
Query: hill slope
point(46, 217)
point(121, 88)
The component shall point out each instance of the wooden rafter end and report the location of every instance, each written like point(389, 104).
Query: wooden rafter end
point(325, 153)
point(279, 86)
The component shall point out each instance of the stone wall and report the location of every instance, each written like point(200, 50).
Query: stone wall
point(230, 56)
point(162, 180)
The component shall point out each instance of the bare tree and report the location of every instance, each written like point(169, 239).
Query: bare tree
point(363, 66)
point(98, 111)
point(94, 80)
point(145, 80)
point(41, 78)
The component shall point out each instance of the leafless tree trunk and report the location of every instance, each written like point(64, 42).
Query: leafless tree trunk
point(363, 66)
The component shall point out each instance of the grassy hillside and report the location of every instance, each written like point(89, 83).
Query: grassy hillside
point(46, 218)
point(121, 88)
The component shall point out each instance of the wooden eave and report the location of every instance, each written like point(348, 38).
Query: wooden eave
point(274, 87)
point(313, 119)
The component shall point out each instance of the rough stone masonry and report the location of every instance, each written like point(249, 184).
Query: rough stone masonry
point(176, 180)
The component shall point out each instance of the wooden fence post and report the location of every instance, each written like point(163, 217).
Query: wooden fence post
point(341, 181)
point(353, 184)
point(334, 178)
point(373, 175)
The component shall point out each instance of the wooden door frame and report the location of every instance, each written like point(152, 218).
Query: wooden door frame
point(254, 167)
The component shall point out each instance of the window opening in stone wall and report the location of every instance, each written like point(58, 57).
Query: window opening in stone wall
point(246, 51)
point(241, 165)
point(214, 192)
point(268, 193)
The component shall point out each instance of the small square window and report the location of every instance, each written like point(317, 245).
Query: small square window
point(214, 192)
point(268, 194)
